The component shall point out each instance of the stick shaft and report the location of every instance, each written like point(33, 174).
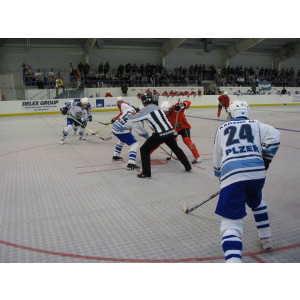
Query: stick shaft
point(86, 127)
point(198, 205)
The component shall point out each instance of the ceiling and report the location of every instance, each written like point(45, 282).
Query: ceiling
point(271, 46)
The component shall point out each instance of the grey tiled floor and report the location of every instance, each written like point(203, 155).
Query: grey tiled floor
point(70, 203)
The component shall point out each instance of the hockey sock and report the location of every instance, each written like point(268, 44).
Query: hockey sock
point(262, 220)
point(132, 153)
point(118, 148)
point(191, 146)
point(219, 112)
point(232, 244)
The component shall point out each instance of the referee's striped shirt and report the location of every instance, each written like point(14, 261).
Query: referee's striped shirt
point(156, 117)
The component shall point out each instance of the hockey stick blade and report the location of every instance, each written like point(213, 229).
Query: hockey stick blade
point(104, 123)
point(188, 210)
point(104, 138)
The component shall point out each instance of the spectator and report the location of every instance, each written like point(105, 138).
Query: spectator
point(106, 67)
point(51, 78)
point(124, 88)
point(59, 84)
point(165, 93)
point(80, 67)
point(108, 94)
point(284, 91)
point(39, 79)
point(29, 74)
point(71, 69)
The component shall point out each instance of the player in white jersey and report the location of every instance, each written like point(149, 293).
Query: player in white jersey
point(243, 150)
point(122, 130)
point(79, 109)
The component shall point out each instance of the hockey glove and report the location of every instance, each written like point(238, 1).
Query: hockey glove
point(83, 125)
point(112, 120)
point(266, 162)
point(145, 135)
point(64, 110)
point(90, 118)
point(177, 108)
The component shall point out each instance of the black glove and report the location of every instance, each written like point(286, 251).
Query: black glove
point(64, 110)
point(90, 118)
point(137, 110)
point(83, 125)
point(266, 162)
point(177, 108)
point(112, 120)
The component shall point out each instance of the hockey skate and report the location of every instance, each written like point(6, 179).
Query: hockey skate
point(62, 141)
point(197, 161)
point(116, 158)
point(132, 167)
point(266, 243)
point(81, 139)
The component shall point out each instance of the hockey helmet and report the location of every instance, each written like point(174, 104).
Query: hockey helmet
point(165, 106)
point(147, 98)
point(225, 94)
point(84, 101)
point(239, 108)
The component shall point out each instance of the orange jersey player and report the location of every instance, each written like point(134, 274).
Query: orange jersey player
point(223, 102)
point(176, 117)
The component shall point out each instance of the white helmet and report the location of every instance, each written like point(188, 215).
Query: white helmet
point(239, 108)
point(84, 101)
point(225, 93)
point(165, 106)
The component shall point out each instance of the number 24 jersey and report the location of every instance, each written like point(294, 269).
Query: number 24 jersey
point(240, 147)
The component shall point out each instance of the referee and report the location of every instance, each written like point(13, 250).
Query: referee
point(163, 133)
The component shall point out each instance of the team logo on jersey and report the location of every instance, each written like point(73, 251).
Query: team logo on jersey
point(99, 102)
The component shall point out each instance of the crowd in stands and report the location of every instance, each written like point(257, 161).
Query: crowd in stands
point(156, 75)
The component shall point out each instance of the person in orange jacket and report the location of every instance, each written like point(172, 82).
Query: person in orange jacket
point(223, 102)
point(175, 115)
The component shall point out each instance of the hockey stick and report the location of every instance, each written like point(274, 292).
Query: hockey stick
point(188, 210)
point(168, 158)
point(104, 139)
point(168, 153)
point(105, 123)
point(101, 129)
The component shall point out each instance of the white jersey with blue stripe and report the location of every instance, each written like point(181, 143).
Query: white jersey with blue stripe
point(121, 125)
point(76, 110)
point(240, 147)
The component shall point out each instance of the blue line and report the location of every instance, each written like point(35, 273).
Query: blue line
point(226, 121)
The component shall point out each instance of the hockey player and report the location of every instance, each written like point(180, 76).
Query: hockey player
point(79, 109)
point(176, 116)
point(243, 150)
point(223, 102)
point(122, 131)
point(163, 133)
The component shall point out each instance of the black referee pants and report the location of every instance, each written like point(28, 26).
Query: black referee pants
point(153, 142)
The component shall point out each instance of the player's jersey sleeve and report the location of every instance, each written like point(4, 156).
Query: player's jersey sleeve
point(270, 140)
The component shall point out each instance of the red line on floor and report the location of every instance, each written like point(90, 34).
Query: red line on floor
point(99, 165)
point(141, 260)
point(27, 149)
point(290, 146)
point(101, 171)
point(198, 167)
point(256, 258)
